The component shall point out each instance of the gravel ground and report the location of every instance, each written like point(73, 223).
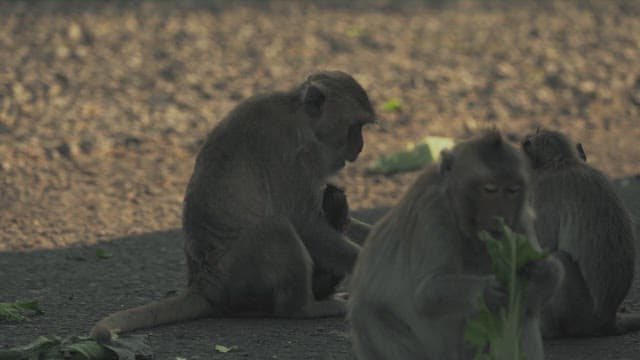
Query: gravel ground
point(103, 106)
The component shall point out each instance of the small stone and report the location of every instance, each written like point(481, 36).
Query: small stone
point(74, 32)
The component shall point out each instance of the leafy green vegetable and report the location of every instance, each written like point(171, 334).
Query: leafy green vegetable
point(41, 345)
point(354, 32)
point(391, 105)
point(81, 348)
point(224, 349)
point(88, 348)
point(415, 157)
point(14, 311)
point(103, 254)
point(500, 333)
point(402, 161)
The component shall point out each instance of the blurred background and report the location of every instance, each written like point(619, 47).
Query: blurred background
point(103, 105)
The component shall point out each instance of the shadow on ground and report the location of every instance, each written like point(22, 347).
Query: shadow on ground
point(75, 288)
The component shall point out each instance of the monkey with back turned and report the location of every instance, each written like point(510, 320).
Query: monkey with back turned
point(580, 218)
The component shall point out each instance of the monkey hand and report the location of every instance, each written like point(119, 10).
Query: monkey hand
point(543, 277)
point(495, 296)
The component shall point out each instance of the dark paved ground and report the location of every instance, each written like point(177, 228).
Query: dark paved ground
point(104, 104)
point(75, 289)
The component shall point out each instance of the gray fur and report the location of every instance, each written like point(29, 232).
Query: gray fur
point(583, 222)
point(422, 268)
point(253, 220)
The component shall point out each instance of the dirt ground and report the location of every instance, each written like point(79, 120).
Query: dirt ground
point(103, 106)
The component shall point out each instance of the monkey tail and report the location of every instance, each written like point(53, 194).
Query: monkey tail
point(182, 307)
point(627, 322)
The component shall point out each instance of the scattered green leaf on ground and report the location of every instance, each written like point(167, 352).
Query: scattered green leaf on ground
point(500, 333)
point(87, 348)
point(415, 157)
point(15, 311)
point(437, 144)
point(81, 348)
point(33, 350)
point(224, 349)
point(354, 32)
point(103, 254)
point(391, 105)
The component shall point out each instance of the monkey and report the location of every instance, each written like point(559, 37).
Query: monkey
point(584, 224)
point(423, 269)
point(336, 210)
point(336, 207)
point(337, 213)
point(252, 212)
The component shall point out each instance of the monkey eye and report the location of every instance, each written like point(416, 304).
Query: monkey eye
point(526, 143)
point(490, 188)
point(514, 189)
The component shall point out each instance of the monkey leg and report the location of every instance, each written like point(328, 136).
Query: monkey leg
point(570, 312)
point(269, 269)
point(378, 334)
point(358, 231)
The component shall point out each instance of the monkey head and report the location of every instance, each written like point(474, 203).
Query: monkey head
point(551, 149)
point(337, 108)
point(485, 178)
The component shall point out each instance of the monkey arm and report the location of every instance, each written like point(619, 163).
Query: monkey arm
point(329, 249)
point(450, 294)
point(544, 277)
point(358, 231)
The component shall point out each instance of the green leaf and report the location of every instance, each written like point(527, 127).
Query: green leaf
point(15, 311)
point(392, 105)
point(415, 157)
point(88, 348)
point(402, 161)
point(130, 347)
point(224, 349)
point(354, 32)
point(41, 345)
point(437, 144)
point(500, 333)
point(102, 254)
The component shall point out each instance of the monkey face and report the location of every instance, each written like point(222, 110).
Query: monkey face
point(550, 149)
point(495, 198)
point(484, 181)
point(338, 108)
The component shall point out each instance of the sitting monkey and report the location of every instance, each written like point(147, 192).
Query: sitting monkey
point(423, 268)
point(255, 232)
point(581, 220)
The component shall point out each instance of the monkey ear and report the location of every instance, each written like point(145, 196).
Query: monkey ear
point(314, 99)
point(581, 154)
point(446, 162)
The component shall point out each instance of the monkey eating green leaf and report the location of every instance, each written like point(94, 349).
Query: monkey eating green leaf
point(499, 333)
